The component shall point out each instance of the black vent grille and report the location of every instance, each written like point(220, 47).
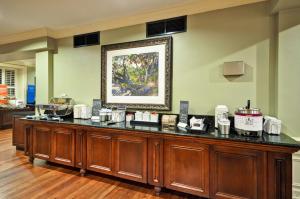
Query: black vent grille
point(166, 26)
point(88, 39)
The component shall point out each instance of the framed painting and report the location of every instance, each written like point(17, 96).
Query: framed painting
point(137, 74)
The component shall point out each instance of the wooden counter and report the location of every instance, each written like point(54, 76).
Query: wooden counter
point(202, 166)
point(6, 116)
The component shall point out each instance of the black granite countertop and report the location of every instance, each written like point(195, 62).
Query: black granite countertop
point(278, 140)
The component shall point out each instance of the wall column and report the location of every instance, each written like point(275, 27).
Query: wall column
point(289, 70)
point(44, 77)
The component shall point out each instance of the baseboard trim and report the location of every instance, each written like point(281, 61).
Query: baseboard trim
point(296, 138)
point(296, 160)
point(296, 157)
point(296, 191)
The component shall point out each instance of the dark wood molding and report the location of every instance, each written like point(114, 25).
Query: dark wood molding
point(280, 175)
point(155, 161)
point(210, 141)
point(7, 116)
point(199, 166)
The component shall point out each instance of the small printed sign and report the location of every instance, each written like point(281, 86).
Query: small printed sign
point(97, 105)
point(184, 109)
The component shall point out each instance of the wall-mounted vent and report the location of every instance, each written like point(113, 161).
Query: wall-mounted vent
point(166, 26)
point(88, 39)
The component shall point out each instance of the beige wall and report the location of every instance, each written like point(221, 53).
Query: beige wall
point(44, 77)
point(288, 93)
point(289, 70)
point(211, 39)
point(30, 75)
point(21, 80)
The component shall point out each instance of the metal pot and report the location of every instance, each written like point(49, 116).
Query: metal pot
point(248, 121)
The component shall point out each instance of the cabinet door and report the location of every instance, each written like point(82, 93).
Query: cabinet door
point(187, 167)
point(7, 118)
point(155, 162)
point(279, 175)
point(63, 146)
point(18, 132)
point(99, 152)
point(237, 173)
point(42, 142)
point(131, 158)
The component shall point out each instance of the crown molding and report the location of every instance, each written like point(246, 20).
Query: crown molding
point(189, 8)
point(281, 5)
point(8, 65)
point(36, 44)
point(17, 56)
point(32, 34)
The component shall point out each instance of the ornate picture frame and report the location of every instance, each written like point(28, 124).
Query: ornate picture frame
point(137, 74)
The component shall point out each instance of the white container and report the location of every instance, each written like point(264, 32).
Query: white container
point(220, 110)
point(272, 125)
point(108, 114)
point(224, 126)
point(82, 111)
point(102, 115)
point(129, 117)
point(77, 111)
point(118, 116)
point(86, 112)
point(138, 116)
point(197, 124)
point(154, 117)
point(146, 116)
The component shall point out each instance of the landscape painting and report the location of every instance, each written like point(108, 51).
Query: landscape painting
point(137, 74)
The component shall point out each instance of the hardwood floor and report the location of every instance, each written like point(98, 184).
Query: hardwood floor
point(20, 179)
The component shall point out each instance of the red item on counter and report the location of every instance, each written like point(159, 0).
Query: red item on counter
point(3, 94)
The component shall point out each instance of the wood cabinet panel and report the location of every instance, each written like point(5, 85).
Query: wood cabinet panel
point(80, 149)
point(187, 167)
point(279, 175)
point(7, 118)
point(237, 173)
point(155, 162)
point(18, 132)
point(214, 169)
point(99, 152)
point(42, 142)
point(63, 143)
point(28, 143)
point(131, 158)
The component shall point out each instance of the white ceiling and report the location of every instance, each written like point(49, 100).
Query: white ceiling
point(27, 19)
point(23, 15)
